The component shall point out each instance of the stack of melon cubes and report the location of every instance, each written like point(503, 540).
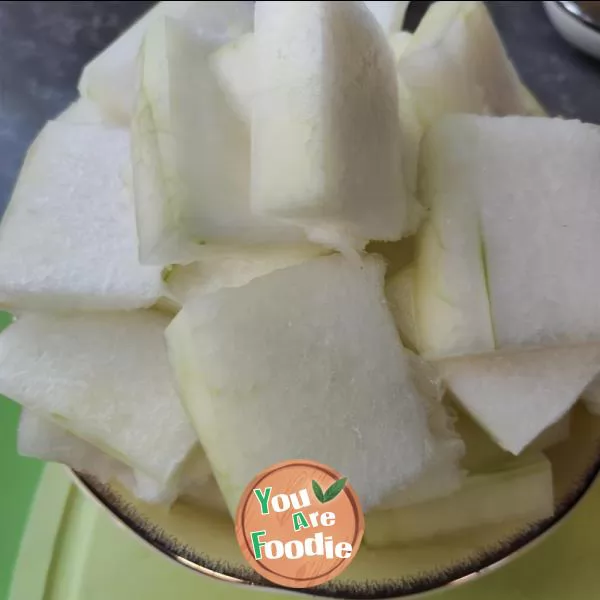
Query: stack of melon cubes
point(281, 230)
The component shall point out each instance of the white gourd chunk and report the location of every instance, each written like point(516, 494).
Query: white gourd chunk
point(400, 292)
point(320, 336)
point(40, 438)
point(185, 282)
point(390, 15)
point(456, 63)
point(327, 145)
point(520, 492)
point(191, 155)
point(109, 79)
point(483, 454)
point(105, 377)
point(83, 112)
point(539, 250)
point(235, 67)
point(444, 474)
point(67, 239)
point(399, 41)
point(452, 305)
point(516, 395)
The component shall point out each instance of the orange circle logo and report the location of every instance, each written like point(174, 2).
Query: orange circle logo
point(299, 524)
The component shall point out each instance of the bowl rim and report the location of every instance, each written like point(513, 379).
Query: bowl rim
point(460, 574)
point(574, 10)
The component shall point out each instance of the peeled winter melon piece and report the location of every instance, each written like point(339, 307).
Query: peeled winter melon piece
point(522, 490)
point(327, 146)
point(185, 282)
point(296, 364)
point(539, 250)
point(234, 66)
point(40, 438)
point(400, 292)
point(443, 473)
point(220, 21)
point(83, 112)
point(484, 454)
point(399, 41)
point(450, 289)
point(191, 155)
point(390, 15)
point(105, 377)
point(500, 228)
point(456, 63)
point(67, 239)
point(516, 395)
point(193, 477)
point(109, 79)
point(412, 130)
point(441, 478)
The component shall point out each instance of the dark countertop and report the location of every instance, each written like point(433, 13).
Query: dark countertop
point(44, 45)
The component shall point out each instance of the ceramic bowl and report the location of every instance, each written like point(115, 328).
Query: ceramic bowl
point(578, 27)
point(204, 539)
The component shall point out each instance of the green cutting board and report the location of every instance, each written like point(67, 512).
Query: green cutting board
point(19, 477)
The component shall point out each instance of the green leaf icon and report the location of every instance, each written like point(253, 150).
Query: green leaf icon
point(335, 489)
point(332, 491)
point(318, 491)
